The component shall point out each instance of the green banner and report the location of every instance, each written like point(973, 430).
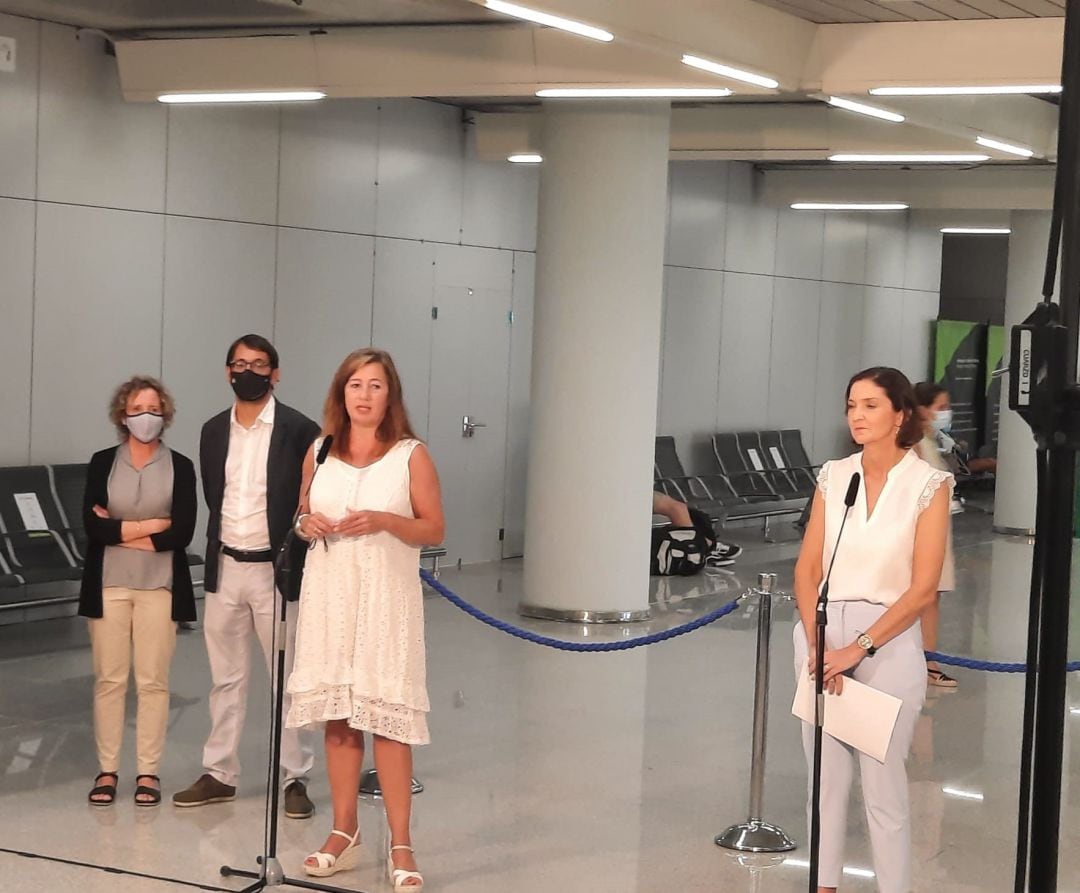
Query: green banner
point(959, 357)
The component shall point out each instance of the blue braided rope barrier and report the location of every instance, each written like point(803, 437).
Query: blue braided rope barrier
point(967, 663)
point(622, 645)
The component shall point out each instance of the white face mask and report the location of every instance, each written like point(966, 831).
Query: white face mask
point(145, 427)
point(942, 420)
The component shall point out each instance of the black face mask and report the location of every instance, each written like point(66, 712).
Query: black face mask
point(249, 385)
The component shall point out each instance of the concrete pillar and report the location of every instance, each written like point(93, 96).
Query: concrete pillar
point(596, 357)
point(1014, 506)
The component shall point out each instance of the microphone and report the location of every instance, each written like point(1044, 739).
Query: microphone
point(328, 441)
point(852, 492)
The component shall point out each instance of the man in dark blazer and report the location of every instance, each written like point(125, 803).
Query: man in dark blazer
point(251, 459)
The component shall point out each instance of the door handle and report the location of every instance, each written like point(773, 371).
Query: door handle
point(468, 426)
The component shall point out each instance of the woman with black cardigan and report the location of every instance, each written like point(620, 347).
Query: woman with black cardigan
point(139, 514)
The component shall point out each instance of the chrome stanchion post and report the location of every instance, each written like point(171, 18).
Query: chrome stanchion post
point(755, 835)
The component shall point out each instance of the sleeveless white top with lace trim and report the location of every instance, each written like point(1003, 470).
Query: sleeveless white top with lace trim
point(873, 563)
point(360, 634)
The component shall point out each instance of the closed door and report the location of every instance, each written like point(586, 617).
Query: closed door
point(467, 427)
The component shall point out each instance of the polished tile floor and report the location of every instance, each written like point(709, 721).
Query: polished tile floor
point(549, 770)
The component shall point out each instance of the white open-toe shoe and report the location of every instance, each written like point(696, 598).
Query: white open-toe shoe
point(329, 864)
point(399, 877)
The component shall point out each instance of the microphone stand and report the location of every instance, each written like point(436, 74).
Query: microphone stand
point(271, 874)
point(821, 615)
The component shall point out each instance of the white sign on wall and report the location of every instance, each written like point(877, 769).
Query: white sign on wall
point(33, 517)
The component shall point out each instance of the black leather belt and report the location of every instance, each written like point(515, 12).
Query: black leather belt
point(253, 557)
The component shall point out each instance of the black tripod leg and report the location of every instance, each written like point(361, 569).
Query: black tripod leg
point(819, 722)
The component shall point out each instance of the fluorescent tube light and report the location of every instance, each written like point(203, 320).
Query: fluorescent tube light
point(849, 206)
point(1004, 147)
point(850, 870)
point(525, 158)
point(552, 21)
point(975, 230)
point(862, 109)
point(727, 71)
point(962, 794)
point(255, 96)
point(901, 158)
point(633, 92)
point(965, 91)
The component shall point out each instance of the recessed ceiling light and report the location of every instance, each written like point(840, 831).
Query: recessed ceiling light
point(863, 109)
point(552, 21)
point(849, 206)
point(727, 71)
point(904, 158)
point(633, 92)
point(975, 230)
point(983, 90)
point(255, 96)
point(1004, 147)
point(525, 158)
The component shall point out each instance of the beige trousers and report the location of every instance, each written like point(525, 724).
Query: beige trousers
point(139, 622)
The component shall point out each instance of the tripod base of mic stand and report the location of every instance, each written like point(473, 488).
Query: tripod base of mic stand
point(274, 876)
point(369, 784)
point(755, 836)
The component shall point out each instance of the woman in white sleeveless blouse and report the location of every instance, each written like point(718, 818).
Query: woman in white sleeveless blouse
point(886, 573)
point(359, 663)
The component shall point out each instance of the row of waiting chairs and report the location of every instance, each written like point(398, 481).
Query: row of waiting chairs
point(42, 540)
point(756, 475)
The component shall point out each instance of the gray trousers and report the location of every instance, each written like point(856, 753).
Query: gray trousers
point(898, 668)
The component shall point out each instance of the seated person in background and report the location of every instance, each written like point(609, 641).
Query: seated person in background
point(689, 544)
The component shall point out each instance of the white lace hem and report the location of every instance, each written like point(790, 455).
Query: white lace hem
point(823, 479)
point(394, 721)
point(933, 482)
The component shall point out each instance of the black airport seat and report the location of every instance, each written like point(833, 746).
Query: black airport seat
point(803, 478)
point(671, 478)
point(738, 469)
point(32, 528)
point(69, 483)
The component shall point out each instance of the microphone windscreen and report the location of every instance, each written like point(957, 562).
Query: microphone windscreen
point(328, 441)
point(852, 490)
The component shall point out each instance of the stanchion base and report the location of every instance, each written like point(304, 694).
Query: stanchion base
point(369, 784)
point(755, 837)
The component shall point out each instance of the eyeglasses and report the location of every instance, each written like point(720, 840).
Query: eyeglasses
point(259, 366)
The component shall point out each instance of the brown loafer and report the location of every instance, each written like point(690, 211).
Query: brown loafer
point(297, 803)
point(206, 790)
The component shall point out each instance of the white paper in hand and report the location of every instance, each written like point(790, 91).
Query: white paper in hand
point(861, 716)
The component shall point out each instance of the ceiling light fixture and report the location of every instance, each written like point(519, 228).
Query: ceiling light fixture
point(552, 21)
point(975, 231)
point(983, 90)
point(255, 96)
point(850, 870)
point(737, 74)
point(525, 158)
point(633, 92)
point(863, 109)
point(902, 158)
point(849, 206)
point(1004, 147)
point(962, 794)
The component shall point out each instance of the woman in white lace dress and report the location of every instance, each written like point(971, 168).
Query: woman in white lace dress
point(359, 663)
point(885, 574)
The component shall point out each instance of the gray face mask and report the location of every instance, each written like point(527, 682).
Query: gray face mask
point(146, 427)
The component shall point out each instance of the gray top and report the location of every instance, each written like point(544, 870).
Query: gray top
point(138, 495)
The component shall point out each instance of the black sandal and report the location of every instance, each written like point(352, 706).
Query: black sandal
point(141, 790)
point(106, 792)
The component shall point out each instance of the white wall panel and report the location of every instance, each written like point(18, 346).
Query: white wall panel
point(18, 109)
point(401, 322)
point(886, 247)
point(16, 331)
point(97, 322)
point(329, 165)
point(697, 195)
point(223, 162)
point(840, 336)
point(517, 435)
point(793, 369)
point(219, 284)
point(845, 248)
point(323, 310)
point(93, 147)
point(799, 243)
point(693, 306)
point(745, 350)
point(750, 234)
point(920, 310)
point(421, 171)
point(466, 266)
point(500, 204)
point(883, 319)
point(922, 269)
